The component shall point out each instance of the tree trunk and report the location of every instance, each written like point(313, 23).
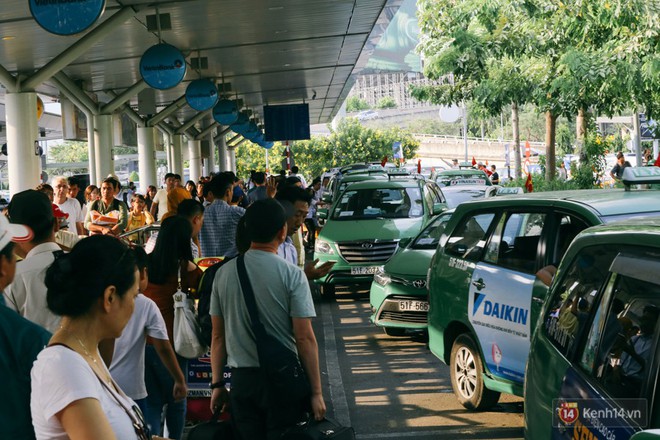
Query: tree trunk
point(581, 131)
point(483, 131)
point(516, 140)
point(550, 131)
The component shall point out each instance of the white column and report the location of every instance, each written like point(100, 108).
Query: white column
point(23, 164)
point(194, 160)
point(212, 168)
point(222, 153)
point(103, 140)
point(232, 159)
point(177, 158)
point(91, 149)
point(146, 161)
point(655, 149)
point(168, 151)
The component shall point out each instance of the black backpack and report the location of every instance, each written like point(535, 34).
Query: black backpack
point(204, 291)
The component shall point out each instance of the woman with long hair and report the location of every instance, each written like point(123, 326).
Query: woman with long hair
point(170, 262)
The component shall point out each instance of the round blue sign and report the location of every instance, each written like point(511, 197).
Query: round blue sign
point(242, 123)
point(266, 144)
point(162, 66)
point(201, 94)
point(66, 17)
point(225, 112)
point(252, 132)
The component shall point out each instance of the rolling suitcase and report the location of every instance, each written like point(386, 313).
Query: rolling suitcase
point(326, 429)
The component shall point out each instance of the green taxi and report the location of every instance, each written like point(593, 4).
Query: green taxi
point(340, 181)
point(594, 361)
point(485, 279)
point(364, 226)
point(469, 176)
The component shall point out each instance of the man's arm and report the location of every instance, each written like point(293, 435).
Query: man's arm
point(154, 207)
point(308, 351)
point(166, 355)
point(123, 220)
point(219, 396)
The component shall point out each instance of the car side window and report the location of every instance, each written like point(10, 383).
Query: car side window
point(619, 347)
point(468, 239)
point(516, 241)
point(440, 198)
point(428, 198)
point(569, 228)
point(573, 301)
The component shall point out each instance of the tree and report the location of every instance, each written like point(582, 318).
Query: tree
point(355, 104)
point(386, 102)
point(68, 152)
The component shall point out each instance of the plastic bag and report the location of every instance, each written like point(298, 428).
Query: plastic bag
point(186, 328)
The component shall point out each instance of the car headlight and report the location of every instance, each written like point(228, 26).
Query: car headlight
point(323, 247)
point(382, 278)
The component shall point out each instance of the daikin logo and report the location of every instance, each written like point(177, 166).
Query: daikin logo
point(498, 310)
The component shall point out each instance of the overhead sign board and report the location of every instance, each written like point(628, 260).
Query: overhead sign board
point(225, 112)
point(66, 17)
point(201, 94)
point(162, 66)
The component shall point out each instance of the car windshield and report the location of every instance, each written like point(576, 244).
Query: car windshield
point(463, 194)
point(429, 237)
point(379, 203)
point(464, 178)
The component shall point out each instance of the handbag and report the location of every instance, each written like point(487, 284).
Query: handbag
point(186, 328)
point(285, 376)
point(326, 429)
point(214, 429)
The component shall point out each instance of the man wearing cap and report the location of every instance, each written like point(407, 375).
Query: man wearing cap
point(67, 204)
point(284, 301)
point(20, 343)
point(27, 293)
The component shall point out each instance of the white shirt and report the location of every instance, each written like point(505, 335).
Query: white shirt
point(60, 376)
point(127, 366)
point(27, 293)
point(161, 200)
point(150, 245)
point(73, 208)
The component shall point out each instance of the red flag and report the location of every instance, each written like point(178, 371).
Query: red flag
point(657, 162)
point(383, 162)
point(529, 184)
point(419, 166)
point(474, 161)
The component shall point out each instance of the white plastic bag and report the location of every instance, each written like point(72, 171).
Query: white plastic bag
point(186, 328)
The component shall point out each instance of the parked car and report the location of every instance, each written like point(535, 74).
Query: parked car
point(485, 293)
point(367, 221)
point(367, 115)
point(466, 176)
point(458, 194)
point(596, 353)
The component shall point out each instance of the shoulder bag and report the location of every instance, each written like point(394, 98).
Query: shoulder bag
point(186, 328)
point(285, 376)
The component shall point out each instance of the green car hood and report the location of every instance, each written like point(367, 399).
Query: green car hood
point(410, 263)
point(379, 229)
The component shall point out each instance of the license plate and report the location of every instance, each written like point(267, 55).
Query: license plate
point(413, 306)
point(364, 270)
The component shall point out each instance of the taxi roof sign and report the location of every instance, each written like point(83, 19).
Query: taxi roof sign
point(467, 181)
point(509, 190)
point(640, 175)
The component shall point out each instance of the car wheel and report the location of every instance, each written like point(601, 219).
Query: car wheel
point(327, 291)
point(466, 370)
point(394, 331)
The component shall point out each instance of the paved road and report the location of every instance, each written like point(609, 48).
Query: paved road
point(388, 387)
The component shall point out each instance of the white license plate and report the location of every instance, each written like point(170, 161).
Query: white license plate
point(364, 270)
point(413, 306)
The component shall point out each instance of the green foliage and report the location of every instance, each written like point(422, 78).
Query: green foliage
point(541, 185)
point(591, 169)
point(386, 102)
point(134, 177)
point(350, 143)
point(355, 104)
point(68, 152)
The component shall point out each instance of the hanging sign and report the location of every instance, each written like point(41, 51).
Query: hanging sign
point(162, 66)
point(66, 17)
point(201, 94)
point(225, 112)
point(252, 132)
point(242, 123)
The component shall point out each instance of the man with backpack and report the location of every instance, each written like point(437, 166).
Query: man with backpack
point(107, 206)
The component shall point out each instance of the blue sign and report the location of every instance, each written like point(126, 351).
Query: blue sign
point(242, 123)
point(66, 17)
point(266, 144)
point(162, 66)
point(201, 94)
point(225, 112)
point(252, 132)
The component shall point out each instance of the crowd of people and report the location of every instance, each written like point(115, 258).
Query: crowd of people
point(88, 318)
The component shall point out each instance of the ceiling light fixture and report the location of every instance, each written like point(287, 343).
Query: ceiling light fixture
point(276, 8)
point(281, 31)
point(8, 37)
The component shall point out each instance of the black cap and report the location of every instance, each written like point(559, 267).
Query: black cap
point(31, 208)
point(264, 218)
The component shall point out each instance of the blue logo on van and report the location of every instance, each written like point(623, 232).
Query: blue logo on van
point(501, 311)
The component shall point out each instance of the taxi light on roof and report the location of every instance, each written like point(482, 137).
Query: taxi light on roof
point(398, 172)
point(509, 190)
point(640, 175)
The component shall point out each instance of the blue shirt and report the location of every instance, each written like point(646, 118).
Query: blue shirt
point(218, 234)
point(20, 343)
point(288, 251)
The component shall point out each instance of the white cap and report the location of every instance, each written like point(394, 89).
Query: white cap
point(13, 232)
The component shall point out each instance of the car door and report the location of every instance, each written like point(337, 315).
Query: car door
point(500, 292)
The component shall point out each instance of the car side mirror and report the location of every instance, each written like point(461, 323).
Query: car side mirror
point(439, 207)
point(404, 242)
point(322, 213)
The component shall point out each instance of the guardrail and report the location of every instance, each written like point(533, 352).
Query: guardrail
point(476, 139)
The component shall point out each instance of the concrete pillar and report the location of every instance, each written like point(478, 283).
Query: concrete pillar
point(655, 149)
point(232, 159)
point(146, 160)
point(91, 149)
point(103, 140)
point(23, 164)
point(194, 160)
point(222, 153)
point(177, 158)
point(168, 151)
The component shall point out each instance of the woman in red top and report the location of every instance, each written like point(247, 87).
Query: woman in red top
point(170, 260)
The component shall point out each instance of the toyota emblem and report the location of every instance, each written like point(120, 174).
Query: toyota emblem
point(420, 284)
point(367, 245)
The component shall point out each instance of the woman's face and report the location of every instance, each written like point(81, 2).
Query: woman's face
point(95, 195)
point(200, 188)
point(152, 192)
point(190, 187)
point(138, 205)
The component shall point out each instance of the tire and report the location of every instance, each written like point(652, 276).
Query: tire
point(394, 331)
point(327, 291)
point(466, 371)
